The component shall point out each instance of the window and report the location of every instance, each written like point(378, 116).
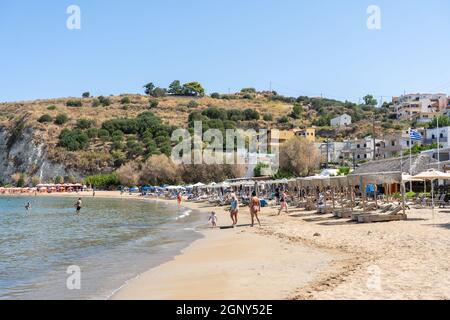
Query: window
point(393, 143)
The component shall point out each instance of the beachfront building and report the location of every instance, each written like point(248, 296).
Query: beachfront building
point(330, 151)
point(419, 107)
point(308, 133)
point(392, 145)
point(286, 135)
point(433, 135)
point(361, 149)
point(341, 121)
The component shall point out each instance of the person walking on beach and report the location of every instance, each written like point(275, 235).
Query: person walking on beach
point(283, 203)
point(93, 192)
point(234, 209)
point(179, 199)
point(277, 195)
point(255, 208)
point(213, 219)
point(78, 205)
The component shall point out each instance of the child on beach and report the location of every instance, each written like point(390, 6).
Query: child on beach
point(213, 219)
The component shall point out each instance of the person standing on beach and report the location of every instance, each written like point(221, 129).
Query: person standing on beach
point(255, 208)
point(179, 199)
point(78, 205)
point(234, 209)
point(277, 195)
point(283, 203)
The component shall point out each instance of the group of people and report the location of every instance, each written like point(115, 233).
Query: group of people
point(78, 206)
point(255, 208)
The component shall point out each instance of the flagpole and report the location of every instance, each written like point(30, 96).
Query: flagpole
point(410, 159)
point(438, 144)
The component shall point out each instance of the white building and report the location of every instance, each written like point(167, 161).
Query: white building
point(441, 134)
point(341, 121)
point(332, 150)
point(421, 107)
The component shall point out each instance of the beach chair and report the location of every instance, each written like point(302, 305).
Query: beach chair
point(441, 201)
point(394, 214)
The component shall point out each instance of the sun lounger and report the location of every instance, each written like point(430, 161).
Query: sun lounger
point(393, 215)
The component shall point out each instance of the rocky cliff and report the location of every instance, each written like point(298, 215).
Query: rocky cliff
point(22, 152)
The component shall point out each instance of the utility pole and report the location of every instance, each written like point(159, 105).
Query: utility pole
point(326, 166)
point(373, 137)
point(354, 161)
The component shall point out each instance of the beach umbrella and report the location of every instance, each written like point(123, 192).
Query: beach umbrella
point(432, 175)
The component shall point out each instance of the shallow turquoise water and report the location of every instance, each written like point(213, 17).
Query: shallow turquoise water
point(112, 241)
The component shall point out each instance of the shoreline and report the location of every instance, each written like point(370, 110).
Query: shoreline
point(224, 264)
point(405, 260)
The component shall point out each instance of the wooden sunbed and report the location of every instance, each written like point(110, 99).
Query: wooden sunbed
point(394, 215)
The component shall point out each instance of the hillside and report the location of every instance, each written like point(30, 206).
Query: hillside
point(81, 136)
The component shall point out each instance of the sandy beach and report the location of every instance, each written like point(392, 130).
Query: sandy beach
point(305, 256)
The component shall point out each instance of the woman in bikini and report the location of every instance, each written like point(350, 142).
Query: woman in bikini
point(255, 208)
point(283, 203)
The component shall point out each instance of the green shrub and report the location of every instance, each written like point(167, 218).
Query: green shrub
point(283, 120)
point(74, 103)
point(104, 101)
point(103, 181)
point(268, 117)
point(86, 94)
point(259, 168)
point(92, 133)
point(73, 140)
point(215, 113)
point(235, 115)
point(125, 100)
point(117, 135)
point(51, 107)
point(153, 103)
point(215, 95)
point(85, 123)
point(251, 114)
point(103, 134)
point(192, 104)
point(61, 119)
point(45, 118)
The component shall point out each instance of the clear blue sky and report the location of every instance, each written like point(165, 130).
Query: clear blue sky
point(303, 47)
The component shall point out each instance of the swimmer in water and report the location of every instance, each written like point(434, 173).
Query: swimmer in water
point(28, 206)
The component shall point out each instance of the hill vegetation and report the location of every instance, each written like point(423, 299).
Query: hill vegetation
point(101, 134)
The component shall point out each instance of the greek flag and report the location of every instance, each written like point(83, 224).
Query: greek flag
point(415, 135)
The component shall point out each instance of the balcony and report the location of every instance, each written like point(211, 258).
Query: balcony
point(435, 140)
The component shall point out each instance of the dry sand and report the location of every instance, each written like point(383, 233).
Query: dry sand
point(306, 256)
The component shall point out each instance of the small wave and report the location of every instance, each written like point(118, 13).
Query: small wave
point(185, 214)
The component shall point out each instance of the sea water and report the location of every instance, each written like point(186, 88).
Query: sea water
point(110, 242)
